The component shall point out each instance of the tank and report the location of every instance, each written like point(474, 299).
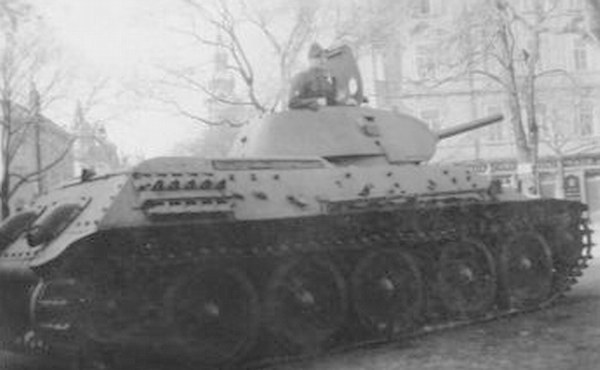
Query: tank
point(323, 229)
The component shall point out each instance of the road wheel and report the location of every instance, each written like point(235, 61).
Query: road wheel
point(526, 270)
point(214, 315)
point(387, 291)
point(306, 302)
point(112, 312)
point(466, 277)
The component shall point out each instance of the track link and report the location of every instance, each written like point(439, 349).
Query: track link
point(422, 233)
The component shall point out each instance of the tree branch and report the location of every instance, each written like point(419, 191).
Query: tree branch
point(491, 76)
point(194, 117)
point(49, 166)
point(194, 85)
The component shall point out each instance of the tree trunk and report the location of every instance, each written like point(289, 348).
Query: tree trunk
point(4, 191)
point(514, 104)
point(516, 121)
point(532, 129)
point(4, 153)
point(531, 59)
point(560, 178)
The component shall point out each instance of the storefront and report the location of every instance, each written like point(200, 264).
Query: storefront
point(580, 177)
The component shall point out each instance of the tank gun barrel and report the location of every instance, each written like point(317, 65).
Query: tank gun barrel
point(472, 125)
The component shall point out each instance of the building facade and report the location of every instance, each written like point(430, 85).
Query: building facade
point(417, 72)
point(228, 118)
point(42, 155)
point(92, 150)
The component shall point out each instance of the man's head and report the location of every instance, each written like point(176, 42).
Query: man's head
point(317, 55)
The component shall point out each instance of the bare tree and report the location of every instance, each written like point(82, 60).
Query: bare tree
point(503, 44)
point(11, 11)
point(365, 24)
point(249, 54)
point(27, 85)
point(554, 134)
point(564, 130)
point(246, 53)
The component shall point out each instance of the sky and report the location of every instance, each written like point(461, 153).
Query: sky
point(127, 40)
point(123, 39)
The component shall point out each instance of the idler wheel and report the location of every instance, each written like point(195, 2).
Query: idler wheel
point(466, 277)
point(214, 315)
point(306, 302)
point(57, 308)
point(387, 291)
point(526, 270)
point(71, 309)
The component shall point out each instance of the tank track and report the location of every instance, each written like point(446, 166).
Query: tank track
point(150, 261)
point(564, 281)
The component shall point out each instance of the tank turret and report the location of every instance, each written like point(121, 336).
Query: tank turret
point(344, 132)
point(348, 134)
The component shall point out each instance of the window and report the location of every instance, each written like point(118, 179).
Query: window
point(425, 63)
point(584, 123)
point(495, 132)
point(526, 5)
point(424, 7)
point(432, 117)
point(540, 118)
point(53, 177)
point(534, 5)
point(580, 55)
point(379, 64)
point(575, 4)
point(220, 61)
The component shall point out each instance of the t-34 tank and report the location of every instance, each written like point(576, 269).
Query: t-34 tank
point(325, 228)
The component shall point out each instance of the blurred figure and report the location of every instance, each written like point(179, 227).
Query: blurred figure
point(314, 87)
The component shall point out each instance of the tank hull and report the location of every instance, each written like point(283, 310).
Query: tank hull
point(297, 285)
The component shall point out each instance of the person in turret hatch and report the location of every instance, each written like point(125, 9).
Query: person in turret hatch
point(314, 87)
